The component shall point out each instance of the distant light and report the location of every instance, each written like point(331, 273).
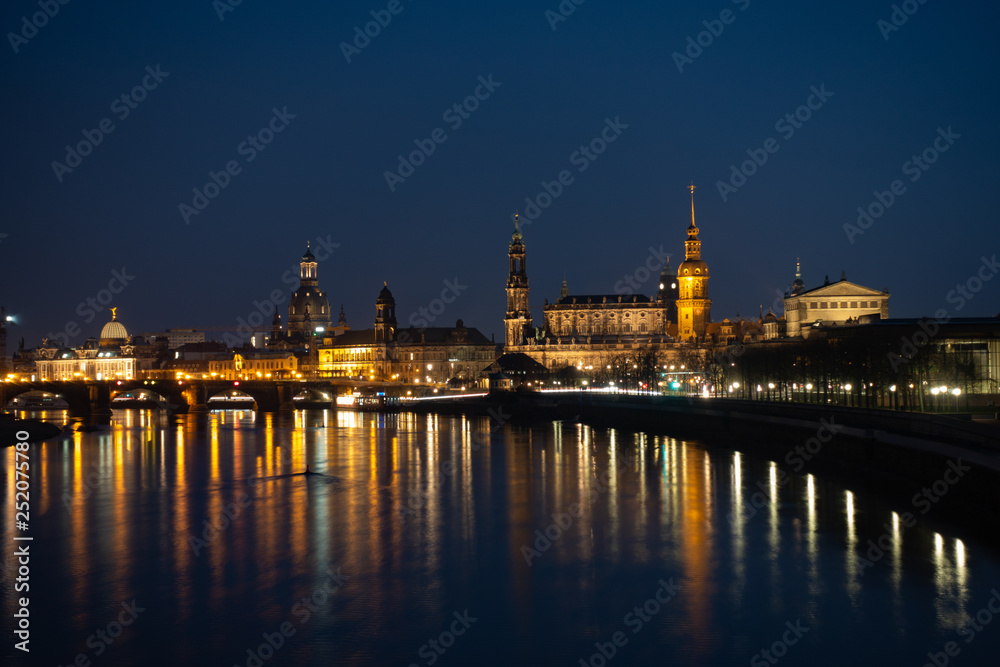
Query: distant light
point(319, 329)
point(956, 391)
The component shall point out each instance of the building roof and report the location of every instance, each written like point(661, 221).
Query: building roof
point(114, 330)
point(601, 299)
point(517, 363)
point(843, 287)
point(414, 336)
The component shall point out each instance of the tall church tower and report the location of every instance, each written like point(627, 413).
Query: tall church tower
point(668, 292)
point(385, 316)
point(517, 323)
point(693, 306)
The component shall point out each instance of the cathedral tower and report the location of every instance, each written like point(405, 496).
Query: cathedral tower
point(385, 316)
point(668, 292)
point(517, 322)
point(693, 304)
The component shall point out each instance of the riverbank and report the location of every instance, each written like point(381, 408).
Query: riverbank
point(37, 430)
point(909, 456)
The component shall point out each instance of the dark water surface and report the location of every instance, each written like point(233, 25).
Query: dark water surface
point(419, 529)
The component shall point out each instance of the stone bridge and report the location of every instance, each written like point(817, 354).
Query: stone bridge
point(179, 395)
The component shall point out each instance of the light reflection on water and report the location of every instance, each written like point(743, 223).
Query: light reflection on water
point(429, 515)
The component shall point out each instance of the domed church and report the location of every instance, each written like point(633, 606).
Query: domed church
point(114, 334)
point(309, 310)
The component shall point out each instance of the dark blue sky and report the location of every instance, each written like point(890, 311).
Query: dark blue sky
point(323, 175)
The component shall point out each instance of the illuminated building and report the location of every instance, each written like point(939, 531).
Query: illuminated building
point(428, 355)
point(113, 356)
point(250, 364)
point(831, 304)
point(308, 311)
point(693, 307)
point(584, 331)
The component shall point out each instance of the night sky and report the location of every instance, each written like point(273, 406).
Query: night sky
point(886, 92)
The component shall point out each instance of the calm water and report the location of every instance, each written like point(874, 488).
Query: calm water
point(420, 529)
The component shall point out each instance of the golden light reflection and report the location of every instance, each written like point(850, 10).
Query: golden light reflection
point(737, 521)
point(851, 570)
point(774, 536)
point(696, 547)
point(815, 583)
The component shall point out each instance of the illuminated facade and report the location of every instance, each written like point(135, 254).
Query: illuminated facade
point(831, 304)
point(583, 331)
point(432, 355)
point(113, 356)
point(693, 307)
point(255, 365)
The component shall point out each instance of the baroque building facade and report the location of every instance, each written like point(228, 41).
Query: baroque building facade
point(429, 355)
point(584, 331)
point(831, 304)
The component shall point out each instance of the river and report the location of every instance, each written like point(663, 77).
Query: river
point(433, 540)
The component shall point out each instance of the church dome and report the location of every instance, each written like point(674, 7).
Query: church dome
point(309, 301)
point(385, 296)
point(114, 331)
point(307, 256)
point(692, 267)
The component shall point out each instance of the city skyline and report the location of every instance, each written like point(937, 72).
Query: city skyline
point(300, 137)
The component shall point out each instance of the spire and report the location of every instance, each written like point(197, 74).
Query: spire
point(693, 225)
point(517, 226)
point(798, 269)
point(843, 275)
point(564, 292)
point(113, 313)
